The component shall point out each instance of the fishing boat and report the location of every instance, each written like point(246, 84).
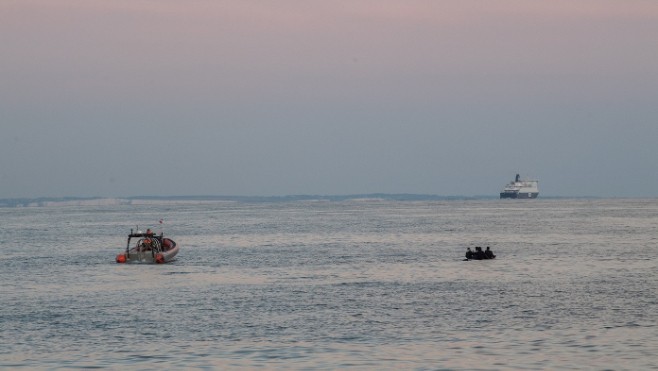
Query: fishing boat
point(148, 248)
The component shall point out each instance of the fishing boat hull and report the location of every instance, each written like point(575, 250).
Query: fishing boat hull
point(148, 256)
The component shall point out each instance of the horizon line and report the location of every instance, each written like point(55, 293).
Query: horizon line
point(29, 201)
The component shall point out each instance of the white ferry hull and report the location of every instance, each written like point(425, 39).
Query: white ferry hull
point(519, 195)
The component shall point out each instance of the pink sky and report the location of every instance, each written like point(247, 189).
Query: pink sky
point(454, 67)
point(162, 39)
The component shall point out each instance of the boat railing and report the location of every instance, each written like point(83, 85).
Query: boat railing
point(149, 244)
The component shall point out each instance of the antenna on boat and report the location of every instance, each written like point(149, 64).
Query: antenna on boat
point(161, 228)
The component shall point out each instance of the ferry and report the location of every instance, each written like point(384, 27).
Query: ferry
point(521, 188)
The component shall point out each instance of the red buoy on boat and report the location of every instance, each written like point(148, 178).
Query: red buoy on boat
point(121, 258)
point(159, 258)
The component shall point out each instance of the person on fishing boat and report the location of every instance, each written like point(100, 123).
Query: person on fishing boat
point(145, 245)
point(479, 254)
point(469, 253)
point(488, 254)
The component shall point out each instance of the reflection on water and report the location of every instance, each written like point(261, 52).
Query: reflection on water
point(367, 285)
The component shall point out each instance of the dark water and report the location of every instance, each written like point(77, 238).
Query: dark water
point(325, 285)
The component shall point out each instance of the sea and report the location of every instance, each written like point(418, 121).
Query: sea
point(364, 284)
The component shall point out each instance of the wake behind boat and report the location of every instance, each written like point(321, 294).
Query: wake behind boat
point(148, 248)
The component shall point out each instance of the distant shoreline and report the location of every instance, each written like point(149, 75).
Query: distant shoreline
point(139, 200)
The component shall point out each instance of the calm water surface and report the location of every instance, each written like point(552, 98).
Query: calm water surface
point(324, 285)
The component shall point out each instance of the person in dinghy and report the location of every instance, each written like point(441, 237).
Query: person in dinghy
point(478, 254)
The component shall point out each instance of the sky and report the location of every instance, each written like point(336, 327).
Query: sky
point(445, 97)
